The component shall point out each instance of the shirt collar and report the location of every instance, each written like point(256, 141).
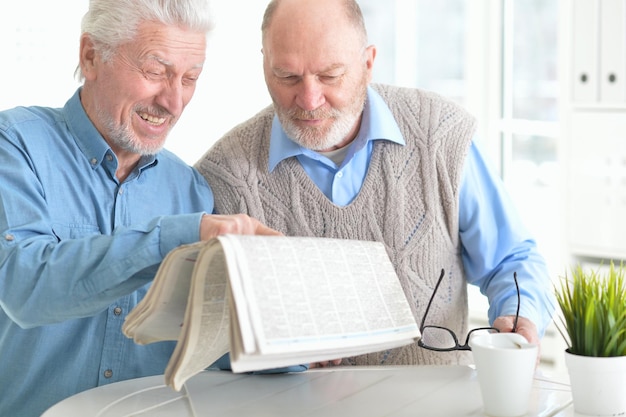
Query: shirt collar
point(377, 123)
point(89, 140)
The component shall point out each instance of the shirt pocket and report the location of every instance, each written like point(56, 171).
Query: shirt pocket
point(74, 230)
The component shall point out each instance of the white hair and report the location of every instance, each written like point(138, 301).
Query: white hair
point(111, 23)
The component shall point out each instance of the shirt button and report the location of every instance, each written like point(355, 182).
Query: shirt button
point(9, 238)
point(117, 311)
point(339, 174)
point(108, 373)
point(94, 161)
point(109, 158)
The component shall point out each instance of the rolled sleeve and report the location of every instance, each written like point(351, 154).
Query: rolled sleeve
point(179, 230)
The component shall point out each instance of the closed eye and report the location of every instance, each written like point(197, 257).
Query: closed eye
point(289, 79)
point(330, 79)
point(154, 74)
point(190, 80)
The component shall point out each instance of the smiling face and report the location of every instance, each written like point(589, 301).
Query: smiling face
point(136, 97)
point(317, 69)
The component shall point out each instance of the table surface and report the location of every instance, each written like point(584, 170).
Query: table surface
point(333, 392)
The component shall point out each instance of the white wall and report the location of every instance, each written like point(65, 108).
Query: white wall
point(40, 52)
point(231, 87)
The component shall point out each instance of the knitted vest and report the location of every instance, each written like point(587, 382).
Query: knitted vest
point(408, 201)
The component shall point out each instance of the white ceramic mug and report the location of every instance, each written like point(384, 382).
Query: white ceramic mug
point(505, 363)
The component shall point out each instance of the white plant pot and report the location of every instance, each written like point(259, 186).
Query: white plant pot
point(598, 384)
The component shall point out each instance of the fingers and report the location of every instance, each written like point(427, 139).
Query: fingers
point(262, 229)
point(325, 364)
point(505, 323)
point(216, 224)
point(525, 327)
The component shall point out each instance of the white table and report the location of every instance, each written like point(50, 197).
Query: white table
point(432, 391)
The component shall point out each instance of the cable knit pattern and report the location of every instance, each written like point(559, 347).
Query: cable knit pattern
point(408, 201)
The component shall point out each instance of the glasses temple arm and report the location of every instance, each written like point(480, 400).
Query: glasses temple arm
point(518, 302)
point(432, 297)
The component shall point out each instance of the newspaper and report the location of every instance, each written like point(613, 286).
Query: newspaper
point(272, 301)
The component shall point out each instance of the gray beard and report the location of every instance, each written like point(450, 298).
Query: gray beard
point(317, 139)
point(122, 137)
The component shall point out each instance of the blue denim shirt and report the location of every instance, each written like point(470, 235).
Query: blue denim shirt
point(77, 248)
point(495, 241)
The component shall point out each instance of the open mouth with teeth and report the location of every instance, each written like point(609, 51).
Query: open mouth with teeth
point(156, 121)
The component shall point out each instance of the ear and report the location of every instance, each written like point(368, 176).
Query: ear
point(87, 57)
point(370, 53)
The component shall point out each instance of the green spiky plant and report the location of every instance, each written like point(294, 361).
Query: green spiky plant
point(593, 307)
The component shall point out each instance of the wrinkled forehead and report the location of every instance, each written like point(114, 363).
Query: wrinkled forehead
point(170, 45)
point(323, 44)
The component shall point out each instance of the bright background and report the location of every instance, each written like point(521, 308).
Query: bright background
point(499, 58)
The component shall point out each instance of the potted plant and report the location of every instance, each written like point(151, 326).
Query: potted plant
point(593, 323)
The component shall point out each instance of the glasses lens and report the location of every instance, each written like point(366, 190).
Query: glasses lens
point(481, 331)
point(438, 338)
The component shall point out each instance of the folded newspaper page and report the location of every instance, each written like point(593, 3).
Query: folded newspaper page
point(272, 301)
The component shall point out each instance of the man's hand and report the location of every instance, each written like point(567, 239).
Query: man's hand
point(213, 225)
point(325, 364)
point(525, 327)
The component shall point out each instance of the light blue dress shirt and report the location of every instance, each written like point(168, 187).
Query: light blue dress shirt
point(495, 243)
point(77, 248)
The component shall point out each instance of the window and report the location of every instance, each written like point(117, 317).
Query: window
point(529, 120)
point(499, 60)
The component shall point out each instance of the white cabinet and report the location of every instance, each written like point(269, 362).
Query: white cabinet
point(612, 51)
point(594, 123)
point(597, 184)
point(585, 34)
point(599, 51)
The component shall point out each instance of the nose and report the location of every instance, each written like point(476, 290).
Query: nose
point(172, 97)
point(311, 94)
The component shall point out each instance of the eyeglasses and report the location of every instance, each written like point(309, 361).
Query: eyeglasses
point(442, 339)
